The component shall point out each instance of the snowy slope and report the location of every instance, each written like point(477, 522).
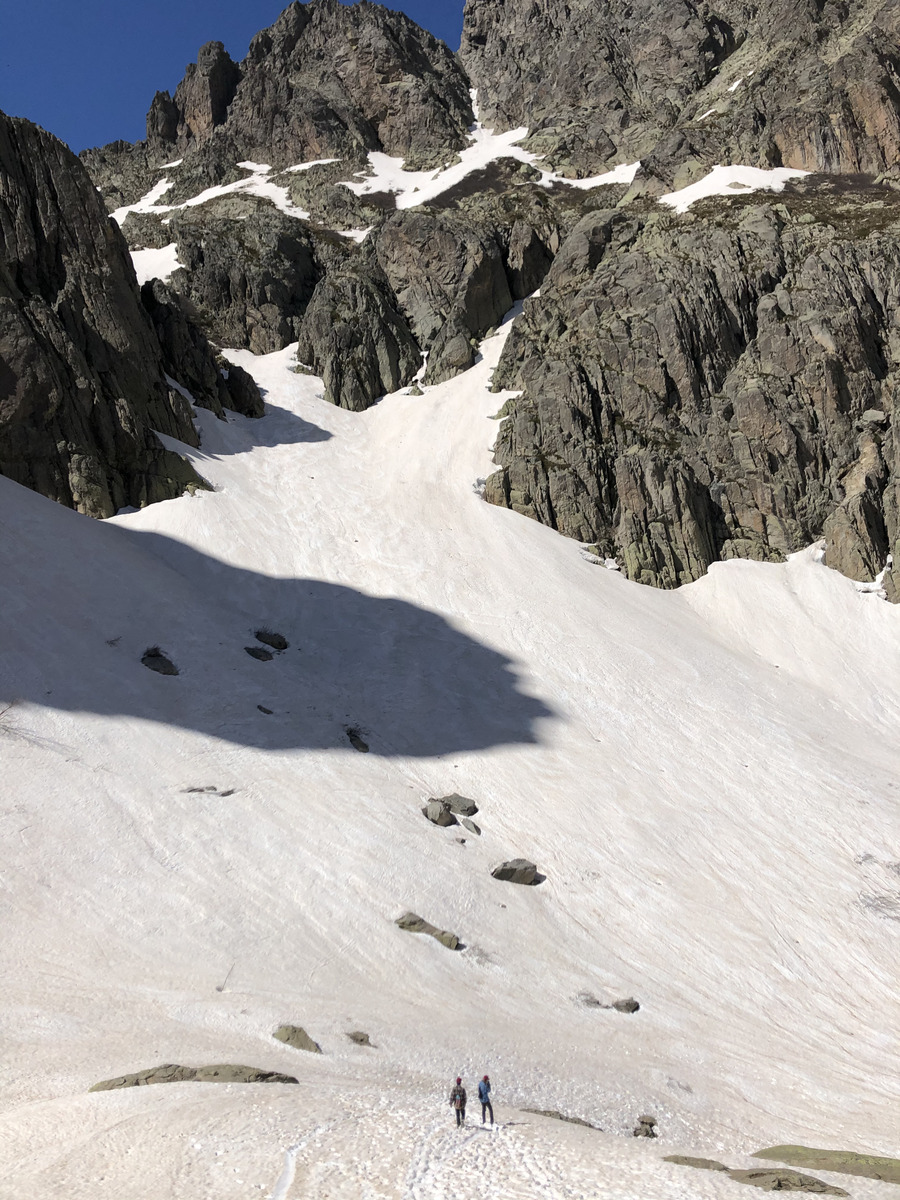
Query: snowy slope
point(707, 778)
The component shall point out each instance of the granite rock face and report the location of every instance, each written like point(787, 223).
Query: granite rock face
point(187, 354)
point(81, 377)
point(325, 81)
point(250, 274)
point(714, 385)
point(812, 85)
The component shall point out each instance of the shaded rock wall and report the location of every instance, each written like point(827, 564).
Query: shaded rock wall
point(81, 382)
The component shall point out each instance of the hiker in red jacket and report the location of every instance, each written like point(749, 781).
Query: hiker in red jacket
point(458, 1101)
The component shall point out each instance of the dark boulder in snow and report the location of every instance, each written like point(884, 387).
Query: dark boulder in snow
point(270, 638)
point(356, 740)
point(155, 660)
point(517, 870)
point(439, 813)
point(259, 654)
point(461, 805)
point(626, 1006)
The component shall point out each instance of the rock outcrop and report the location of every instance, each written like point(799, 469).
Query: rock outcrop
point(82, 387)
point(325, 81)
point(713, 385)
point(188, 356)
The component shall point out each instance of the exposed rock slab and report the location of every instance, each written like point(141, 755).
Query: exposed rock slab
point(701, 1164)
point(846, 1162)
point(781, 1179)
point(412, 923)
point(173, 1073)
point(297, 1037)
point(558, 1116)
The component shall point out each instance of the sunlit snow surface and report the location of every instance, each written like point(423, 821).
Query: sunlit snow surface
point(708, 779)
point(730, 181)
point(257, 183)
point(156, 264)
point(412, 188)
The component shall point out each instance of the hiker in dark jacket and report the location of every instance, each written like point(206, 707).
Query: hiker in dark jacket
point(484, 1095)
point(458, 1101)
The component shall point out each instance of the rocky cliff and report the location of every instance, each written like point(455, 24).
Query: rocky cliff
point(714, 385)
point(83, 388)
point(696, 385)
point(324, 82)
point(682, 85)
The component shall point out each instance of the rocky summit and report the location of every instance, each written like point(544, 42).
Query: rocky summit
point(706, 362)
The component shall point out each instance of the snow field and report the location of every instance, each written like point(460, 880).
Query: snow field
point(730, 181)
point(156, 264)
point(707, 778)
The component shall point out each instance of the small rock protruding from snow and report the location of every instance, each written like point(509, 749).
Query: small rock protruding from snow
point(646, 1127)
point(270, 638)
point(626, 1006)
point(359, 1038)
point(296, 1037)
point(438, 813)
point(412, 923)
point(461, 805)
point(355, 739)
point(517, 870)
point(155, 660)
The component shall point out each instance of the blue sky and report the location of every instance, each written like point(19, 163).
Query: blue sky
point(87, 69)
